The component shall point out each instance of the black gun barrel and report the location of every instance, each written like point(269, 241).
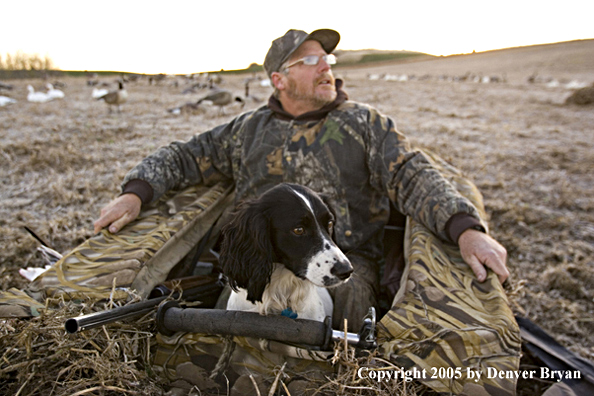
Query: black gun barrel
point(203, 288)
point(97, 319)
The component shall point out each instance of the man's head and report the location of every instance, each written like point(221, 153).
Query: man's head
point(283, 47)
point(303, 84)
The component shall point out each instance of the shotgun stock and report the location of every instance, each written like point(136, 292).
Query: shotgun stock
point(171, 318)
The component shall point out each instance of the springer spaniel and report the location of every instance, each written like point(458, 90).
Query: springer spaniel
point(279, 256)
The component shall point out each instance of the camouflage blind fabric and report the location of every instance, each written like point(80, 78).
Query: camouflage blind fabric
point(140, 255)
point(443, 317)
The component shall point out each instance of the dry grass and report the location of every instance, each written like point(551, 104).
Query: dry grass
point(529, 153)
point(39, 359)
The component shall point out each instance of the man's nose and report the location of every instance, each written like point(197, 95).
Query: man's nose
point(323, 65)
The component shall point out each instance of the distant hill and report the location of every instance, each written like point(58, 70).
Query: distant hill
point(565, 60)
point(367, 56)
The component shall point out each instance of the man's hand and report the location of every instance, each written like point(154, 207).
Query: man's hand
point(479, 250)
point(118, 213)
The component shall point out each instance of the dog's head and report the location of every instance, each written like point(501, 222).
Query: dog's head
point(291, 225)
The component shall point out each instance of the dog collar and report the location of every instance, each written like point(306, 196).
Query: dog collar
point(289, 313)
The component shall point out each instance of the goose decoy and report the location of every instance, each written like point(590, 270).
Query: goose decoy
point(248, 97)
point(99, 92)
point(50, 255)
point(187, 109)
point(54, 93)
point(221, 98)
point(116, 97)
point(194, 88)
point(59, 84)
point(5, 101)
point(5, 86)
point(37, 97)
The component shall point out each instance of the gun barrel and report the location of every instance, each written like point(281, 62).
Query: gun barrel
point(205, 288)
point(97, 319)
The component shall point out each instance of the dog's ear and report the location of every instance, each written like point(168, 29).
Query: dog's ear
point(328, 200)
point(247, 255)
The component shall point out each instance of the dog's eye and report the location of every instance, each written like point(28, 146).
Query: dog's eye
point(298, 231)
point(330, 225)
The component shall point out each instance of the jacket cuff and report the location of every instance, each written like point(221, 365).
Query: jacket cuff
point(141, 188)
point(461, 222)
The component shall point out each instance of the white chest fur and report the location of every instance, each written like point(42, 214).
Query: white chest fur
point(285, 290)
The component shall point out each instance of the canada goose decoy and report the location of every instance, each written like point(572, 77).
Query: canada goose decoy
point(5, 86)
point(248, 97)
point(59, 84)
point(221, 98)
point(116, 97)
point(54, 93)
point(187, 109)
point(37, 97)
point(194, 88)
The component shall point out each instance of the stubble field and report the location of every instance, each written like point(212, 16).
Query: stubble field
point(530, 155)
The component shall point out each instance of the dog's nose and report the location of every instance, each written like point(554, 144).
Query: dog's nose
point(342, 270)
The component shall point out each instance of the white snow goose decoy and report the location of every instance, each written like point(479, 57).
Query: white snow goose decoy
point(54, 93)
point(37, 97)
point(5, 101)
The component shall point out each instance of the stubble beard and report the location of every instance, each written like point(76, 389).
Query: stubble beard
point(314, 99)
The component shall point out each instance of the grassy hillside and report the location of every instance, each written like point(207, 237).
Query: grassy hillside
point(369, 56)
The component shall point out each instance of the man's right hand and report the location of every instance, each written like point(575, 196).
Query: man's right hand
point(118, 213)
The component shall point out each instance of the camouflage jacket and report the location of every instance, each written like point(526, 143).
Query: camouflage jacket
point(349, 152)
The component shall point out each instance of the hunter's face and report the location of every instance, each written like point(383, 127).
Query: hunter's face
point(310, 85)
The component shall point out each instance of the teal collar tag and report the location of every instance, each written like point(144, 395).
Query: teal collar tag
point(289, 313)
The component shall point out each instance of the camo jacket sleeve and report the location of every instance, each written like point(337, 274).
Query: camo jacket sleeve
point(204, 159)
point(412, 183)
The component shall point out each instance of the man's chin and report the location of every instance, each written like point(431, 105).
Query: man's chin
point(327, 96)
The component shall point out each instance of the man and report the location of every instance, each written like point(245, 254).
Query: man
point(310, 134)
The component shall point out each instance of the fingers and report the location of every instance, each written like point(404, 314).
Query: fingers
point(496, 262)
point(103, 221)
point(120, 223)
point(479, 250)
point(494, 259)
point(479, 269)
point(118, 213)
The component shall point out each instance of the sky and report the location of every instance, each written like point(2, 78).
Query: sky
point(180, 37)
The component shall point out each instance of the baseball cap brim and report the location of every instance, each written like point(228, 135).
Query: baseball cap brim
point(328, 38)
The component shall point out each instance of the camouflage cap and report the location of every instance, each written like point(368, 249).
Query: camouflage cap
point(283, 47)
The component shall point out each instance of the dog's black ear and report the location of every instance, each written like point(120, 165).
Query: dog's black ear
point(328, 199)
point(247, 255)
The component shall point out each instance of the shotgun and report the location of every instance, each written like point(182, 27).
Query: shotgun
point(205, 288)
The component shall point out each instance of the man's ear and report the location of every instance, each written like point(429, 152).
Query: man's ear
point(278, 80)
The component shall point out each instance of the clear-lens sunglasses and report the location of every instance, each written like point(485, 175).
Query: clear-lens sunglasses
point(312, 60)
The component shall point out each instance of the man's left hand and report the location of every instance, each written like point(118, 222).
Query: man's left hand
point(479, 250)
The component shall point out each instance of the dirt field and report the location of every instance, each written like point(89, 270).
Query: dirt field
point(529, 154)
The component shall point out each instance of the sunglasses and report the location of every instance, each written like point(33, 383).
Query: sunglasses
point(312, 60)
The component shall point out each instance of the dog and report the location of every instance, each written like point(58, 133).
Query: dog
point(279, 257)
